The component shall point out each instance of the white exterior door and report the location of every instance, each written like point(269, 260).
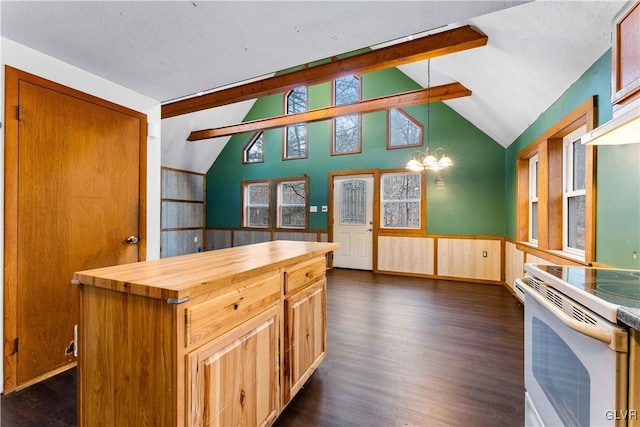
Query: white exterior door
point(353, 221)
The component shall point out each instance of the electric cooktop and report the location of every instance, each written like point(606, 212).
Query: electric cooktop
point(602, 290)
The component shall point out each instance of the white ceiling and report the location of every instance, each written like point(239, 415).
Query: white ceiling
point(168, 50)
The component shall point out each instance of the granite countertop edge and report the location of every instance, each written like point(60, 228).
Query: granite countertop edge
point(629, 316)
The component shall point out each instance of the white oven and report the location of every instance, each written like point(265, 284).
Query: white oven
point(575, 362)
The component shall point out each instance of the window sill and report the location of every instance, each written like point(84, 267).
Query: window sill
point(556, 256)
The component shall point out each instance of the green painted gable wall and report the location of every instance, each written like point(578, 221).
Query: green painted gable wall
point(471, 203)
point(618, 171)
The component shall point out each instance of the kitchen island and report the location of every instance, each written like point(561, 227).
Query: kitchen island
point(224, 337)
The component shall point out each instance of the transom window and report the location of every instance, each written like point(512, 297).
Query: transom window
point(401, 199)
point(403, 130)
point(575, 193)
point(256, 204)
point(292, 204)
point(254, 150)
point(295, 140)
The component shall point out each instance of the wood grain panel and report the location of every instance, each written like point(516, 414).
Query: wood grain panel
point(625, 76)
point(442, 43)
point(464, 258)
point(413, 255)
point(513, 263)
point(182, 185)
point(305, 340)
point(180, 242)
point(304, 275)
point(122, 376)
point(231, 307)
point(219, 239)
point(234, 380)
point(182, 214)
point(249, 237)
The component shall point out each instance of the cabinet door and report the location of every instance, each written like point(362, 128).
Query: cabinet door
point(234, 379)
point(305, 340)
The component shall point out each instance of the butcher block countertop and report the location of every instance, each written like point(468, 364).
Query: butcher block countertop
point(183, 277)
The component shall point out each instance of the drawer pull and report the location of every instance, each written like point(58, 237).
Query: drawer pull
point(236, 305)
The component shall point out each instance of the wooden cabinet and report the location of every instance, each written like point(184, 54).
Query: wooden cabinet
point(625, 78)
point(213, 338)
point(234, 380)
point(305, 337)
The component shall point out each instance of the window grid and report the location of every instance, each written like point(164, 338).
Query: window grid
point(346, 129)
point(292, 204)
point(257, 204)
point(574, 194)
point(400, 197)
point(295, 136)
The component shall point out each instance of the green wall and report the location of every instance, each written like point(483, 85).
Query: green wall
point(618, 171)
point(471, 202)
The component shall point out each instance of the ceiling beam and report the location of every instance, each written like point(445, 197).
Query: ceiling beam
point(419, 49)
point(406, 99)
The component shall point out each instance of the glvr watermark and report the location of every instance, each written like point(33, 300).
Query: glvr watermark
point(620, 414)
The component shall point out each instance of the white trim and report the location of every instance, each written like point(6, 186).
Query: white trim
point(568, 190)
point(534, 179)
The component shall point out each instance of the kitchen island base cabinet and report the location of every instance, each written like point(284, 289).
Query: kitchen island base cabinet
point(305, 340)
point(199, 340)
point(235, 379)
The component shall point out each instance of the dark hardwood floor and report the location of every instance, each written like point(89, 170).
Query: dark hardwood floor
point(401, 352)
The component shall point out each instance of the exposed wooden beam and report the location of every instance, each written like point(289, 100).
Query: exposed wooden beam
point(431, 46)
point(406, 99)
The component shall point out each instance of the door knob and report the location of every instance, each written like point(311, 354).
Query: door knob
point(370, 229)
point(132, 240)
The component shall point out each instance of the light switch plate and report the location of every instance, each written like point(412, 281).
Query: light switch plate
point(313, 209)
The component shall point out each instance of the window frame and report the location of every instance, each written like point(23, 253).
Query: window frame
point(549, 147)
point(278, 196)
point(249, 145)
point(411, 119)
point(285, 133)
point(568, 190)
point(334, 152)
point(406, 231)
point(534, 188)
point(245, 203)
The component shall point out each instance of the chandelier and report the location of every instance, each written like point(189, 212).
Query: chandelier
point(430, 160)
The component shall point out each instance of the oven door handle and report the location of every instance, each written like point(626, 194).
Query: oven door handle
point(585, 329)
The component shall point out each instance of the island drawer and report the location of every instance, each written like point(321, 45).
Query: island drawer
point(306, 274)
point(224, 311)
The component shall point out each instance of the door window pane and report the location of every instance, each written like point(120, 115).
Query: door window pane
point(353, 198)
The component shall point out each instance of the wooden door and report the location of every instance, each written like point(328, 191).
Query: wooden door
point(305, 341)
point(235, 378)
point(73, 197)
point(353, 221)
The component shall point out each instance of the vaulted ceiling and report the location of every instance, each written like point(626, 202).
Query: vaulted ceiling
point(169, 50)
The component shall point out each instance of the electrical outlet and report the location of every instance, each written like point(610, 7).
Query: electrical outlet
point(635, 255)
point(195, 239)
point(484, 254)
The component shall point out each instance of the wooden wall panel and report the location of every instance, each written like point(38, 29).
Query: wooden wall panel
point(532, 259)
point(414, 255)
point(182, 185)
point(181, 242)
point(218, 239)
point(248, 237)
point(462, 258)
point(296, 235)
point(513, 263)
point(183, 207)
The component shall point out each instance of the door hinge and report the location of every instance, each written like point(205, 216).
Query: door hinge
point(19, 112)
point(75, 340)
